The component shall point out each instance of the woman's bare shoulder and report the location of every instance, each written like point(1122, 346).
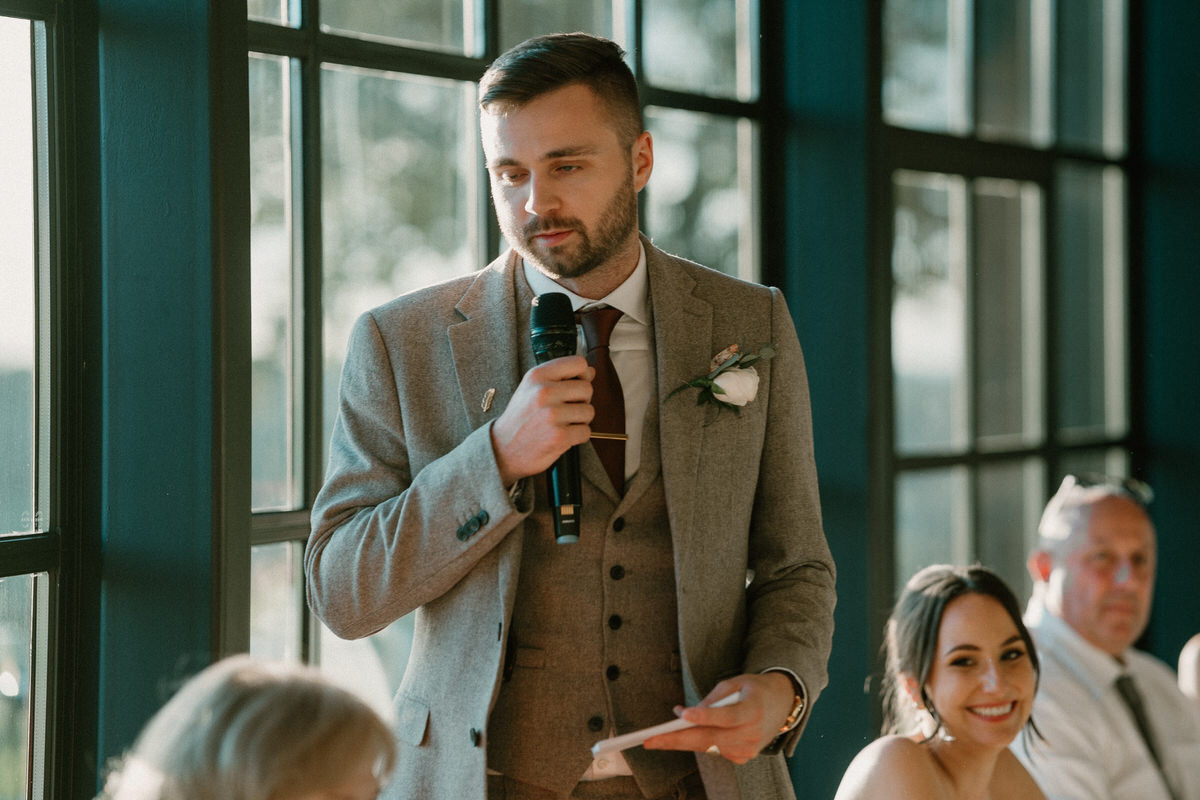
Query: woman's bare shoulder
point(1011, 779)
point(890, 768)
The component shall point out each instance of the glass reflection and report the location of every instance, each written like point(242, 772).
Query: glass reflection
point(929, 302)
point(522, 19)
point(932, 520)
point(1090, 364)
point(276, 600)
point(926, 67)
point(18, 274)
point(275, 11)
point(698, 201)
point(16, 680)
point(1011, 496)
point(436, 24)
point(1012, 68)
point(1008, 312)
point(399, 192)
point(276, 410)
point(701, 46)
point(1092, 62)
point(372, 666)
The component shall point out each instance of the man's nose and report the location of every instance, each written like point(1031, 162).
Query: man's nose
point(1124, 573)
point(542, 198)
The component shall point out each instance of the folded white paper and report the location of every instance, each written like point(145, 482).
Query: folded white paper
point(627, 740)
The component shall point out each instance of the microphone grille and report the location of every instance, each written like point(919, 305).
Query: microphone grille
point(551, 309)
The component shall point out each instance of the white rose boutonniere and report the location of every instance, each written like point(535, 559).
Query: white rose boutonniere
point(732, 380)
point(736, 386)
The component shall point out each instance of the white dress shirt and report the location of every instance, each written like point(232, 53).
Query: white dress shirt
point(1091, 748)
point(631, 345)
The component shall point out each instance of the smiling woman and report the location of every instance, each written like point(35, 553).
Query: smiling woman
point(962, 673)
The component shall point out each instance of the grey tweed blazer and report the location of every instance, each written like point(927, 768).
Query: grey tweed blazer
point(413, 515)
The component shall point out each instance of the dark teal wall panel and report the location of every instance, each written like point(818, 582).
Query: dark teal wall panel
point(1170, 254)
point(828, 264)
point(156, 332)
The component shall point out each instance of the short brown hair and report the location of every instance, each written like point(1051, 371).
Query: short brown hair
point(546, 63)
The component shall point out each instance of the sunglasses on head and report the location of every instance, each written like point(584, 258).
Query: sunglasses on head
point(1138, 491)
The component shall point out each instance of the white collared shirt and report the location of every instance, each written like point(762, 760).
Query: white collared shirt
point(631, 345)
point(1092, 749)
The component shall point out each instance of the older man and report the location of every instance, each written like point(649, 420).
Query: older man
point(1113, 722)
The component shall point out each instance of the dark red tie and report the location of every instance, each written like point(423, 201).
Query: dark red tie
point(607, 397)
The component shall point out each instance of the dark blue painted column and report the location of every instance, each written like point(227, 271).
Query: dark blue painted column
point(1170, 361)
point(155, 330)
point(828, 266)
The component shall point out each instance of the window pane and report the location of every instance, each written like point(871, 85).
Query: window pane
point(372, 666)
point(400, 193)
point(268, 11)
point(1013, 70)
point(438, 24)
point(1091, 301)
point(277, 408)
point(1108, 461)
point(16, 680)
point(699, 202)
point(932, 520)
point(18, 276)
point(1091, 79)
point(521, 19)
point(1008, 313)
point(1010, 505)
point(276, 600)
point(702, 46)
point(925, 64)
point(929, 296)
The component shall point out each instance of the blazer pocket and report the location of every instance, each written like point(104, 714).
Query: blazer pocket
point(531, 658)
point(412, 720)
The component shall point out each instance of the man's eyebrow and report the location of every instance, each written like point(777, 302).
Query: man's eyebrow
point(563, 152)
point(570, 152)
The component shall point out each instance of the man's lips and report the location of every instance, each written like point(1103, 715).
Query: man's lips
point(552, 238)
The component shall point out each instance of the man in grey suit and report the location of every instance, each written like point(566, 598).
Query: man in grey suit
point(701, 567)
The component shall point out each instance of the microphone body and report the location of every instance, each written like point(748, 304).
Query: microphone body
point(553, 335)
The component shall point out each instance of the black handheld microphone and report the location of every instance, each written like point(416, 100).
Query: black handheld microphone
point(552, 331)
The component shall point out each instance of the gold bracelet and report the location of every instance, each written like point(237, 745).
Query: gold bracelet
point(793, 717)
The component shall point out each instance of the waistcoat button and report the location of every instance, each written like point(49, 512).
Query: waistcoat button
point(617, 572)
point(614, 621)
point(619, 524)
point(613, 672)
point(595, 724)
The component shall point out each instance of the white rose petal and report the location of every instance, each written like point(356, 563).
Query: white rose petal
point(738, 386)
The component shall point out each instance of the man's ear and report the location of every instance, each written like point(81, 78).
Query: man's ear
point(643, 160)
point(1040, 565)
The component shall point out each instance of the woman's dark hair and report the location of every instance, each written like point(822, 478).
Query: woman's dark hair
point(546, 63)
point(912, 633)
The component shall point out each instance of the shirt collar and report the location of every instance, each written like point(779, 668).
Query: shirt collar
point(1053, 633)
point(632, 297)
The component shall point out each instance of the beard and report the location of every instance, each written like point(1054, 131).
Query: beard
point(591, 249)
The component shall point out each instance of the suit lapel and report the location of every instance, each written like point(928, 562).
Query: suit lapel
point(682, 340)
point(489, 355)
